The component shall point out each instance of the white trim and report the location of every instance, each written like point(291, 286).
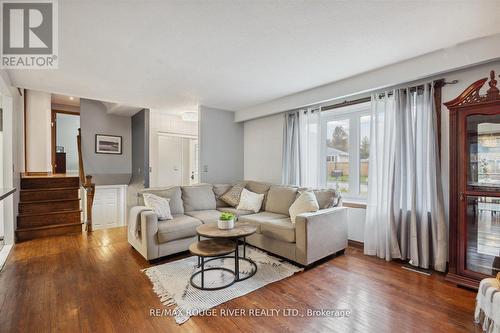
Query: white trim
point(178, 135)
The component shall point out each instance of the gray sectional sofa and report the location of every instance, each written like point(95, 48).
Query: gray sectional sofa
point(313, 236)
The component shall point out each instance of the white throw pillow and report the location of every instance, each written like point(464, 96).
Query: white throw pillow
point(305, 203)
point(159, 205)
point(250, 201)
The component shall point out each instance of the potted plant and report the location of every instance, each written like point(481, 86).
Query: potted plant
point(226, 221)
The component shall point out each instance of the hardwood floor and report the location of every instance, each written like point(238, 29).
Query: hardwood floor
point(80, 283)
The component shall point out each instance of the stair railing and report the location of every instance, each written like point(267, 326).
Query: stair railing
point(86, 184)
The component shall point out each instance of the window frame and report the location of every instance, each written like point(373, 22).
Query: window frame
point(352, 113)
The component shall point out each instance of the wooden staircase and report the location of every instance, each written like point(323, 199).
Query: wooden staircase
point(49, 205)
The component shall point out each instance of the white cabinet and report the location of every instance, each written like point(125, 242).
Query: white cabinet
point(109, 208)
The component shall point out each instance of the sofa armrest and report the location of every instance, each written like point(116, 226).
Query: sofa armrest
point(320, 234)
point(146, 240)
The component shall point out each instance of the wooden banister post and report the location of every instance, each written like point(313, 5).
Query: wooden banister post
point(86, 183)
point(90, 191)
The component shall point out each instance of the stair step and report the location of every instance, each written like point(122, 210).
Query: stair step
point(48, 219)
point(49, 182)
point(44, 231)
point(48, 206)
point(49, 194)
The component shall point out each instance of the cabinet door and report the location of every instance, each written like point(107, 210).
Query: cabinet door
point(480, 194)
point(105, 211)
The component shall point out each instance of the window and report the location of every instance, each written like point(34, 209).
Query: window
point(337, 149)
point(346, 137)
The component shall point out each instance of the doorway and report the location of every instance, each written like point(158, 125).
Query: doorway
point(65, 125)
point(177, 160)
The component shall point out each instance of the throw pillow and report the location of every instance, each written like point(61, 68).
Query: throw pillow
point(327, 198)
point(159, 205)
point(232, 197)
point(305, 203)
point(250, 201)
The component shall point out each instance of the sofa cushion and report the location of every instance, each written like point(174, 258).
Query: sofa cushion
point(283, 230)
point(173, 193)
point(219, 190)
point(258, 187)
point(305, 203)
point(181, 226)
point(206, 216)
point(234, 211)
point(198, 197)
point(259, 218)
point(250, 201)
point(232, 197)
point(327, 198)
point(159, 205)
point(280, 198)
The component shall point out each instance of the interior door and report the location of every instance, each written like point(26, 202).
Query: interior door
point(479, 187)
point(169, 169)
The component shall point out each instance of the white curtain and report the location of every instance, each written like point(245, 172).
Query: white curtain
point(310, 142)
point(301, 148)
point(405, 212)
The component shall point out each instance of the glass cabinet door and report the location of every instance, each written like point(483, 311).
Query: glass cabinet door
point(483, 234)
point(482, 192)
point(483, 141)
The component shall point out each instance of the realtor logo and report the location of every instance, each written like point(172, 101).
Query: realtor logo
point(29, 34)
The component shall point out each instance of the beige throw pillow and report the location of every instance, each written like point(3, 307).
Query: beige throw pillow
point(305, 203)
point(232, 197)
point(159, 205)
point(250, 201)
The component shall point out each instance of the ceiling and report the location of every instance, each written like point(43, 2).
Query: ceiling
point(176, 55)
point(65, 100)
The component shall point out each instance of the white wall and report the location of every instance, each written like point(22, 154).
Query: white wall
point(356, 226)
point(12, 159)
point(168, 123)
point(263, 145)
point(221, 146)
point(38, 131)
point(67, 131)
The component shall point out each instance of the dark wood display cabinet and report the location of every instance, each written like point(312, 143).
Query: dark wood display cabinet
point(474, 184)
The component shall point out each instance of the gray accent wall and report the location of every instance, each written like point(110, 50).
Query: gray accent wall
point(106, 169)
point(221, 146)
point(140, 156)
point(140, 148)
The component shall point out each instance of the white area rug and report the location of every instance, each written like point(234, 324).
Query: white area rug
point(171, 281)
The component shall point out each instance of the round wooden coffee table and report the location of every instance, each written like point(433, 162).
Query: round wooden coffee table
point(239, 233)
point(215, 248)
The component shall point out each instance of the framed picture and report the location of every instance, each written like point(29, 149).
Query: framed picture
point(108, 144)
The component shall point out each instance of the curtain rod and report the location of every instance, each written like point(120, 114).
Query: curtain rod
point(346, 103)
point(439, 82)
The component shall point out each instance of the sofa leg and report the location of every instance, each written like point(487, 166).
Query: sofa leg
point(341, 252)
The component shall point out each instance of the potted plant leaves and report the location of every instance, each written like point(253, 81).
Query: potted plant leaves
point(226, 221)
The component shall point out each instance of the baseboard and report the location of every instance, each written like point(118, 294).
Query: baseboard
point(356, 244)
